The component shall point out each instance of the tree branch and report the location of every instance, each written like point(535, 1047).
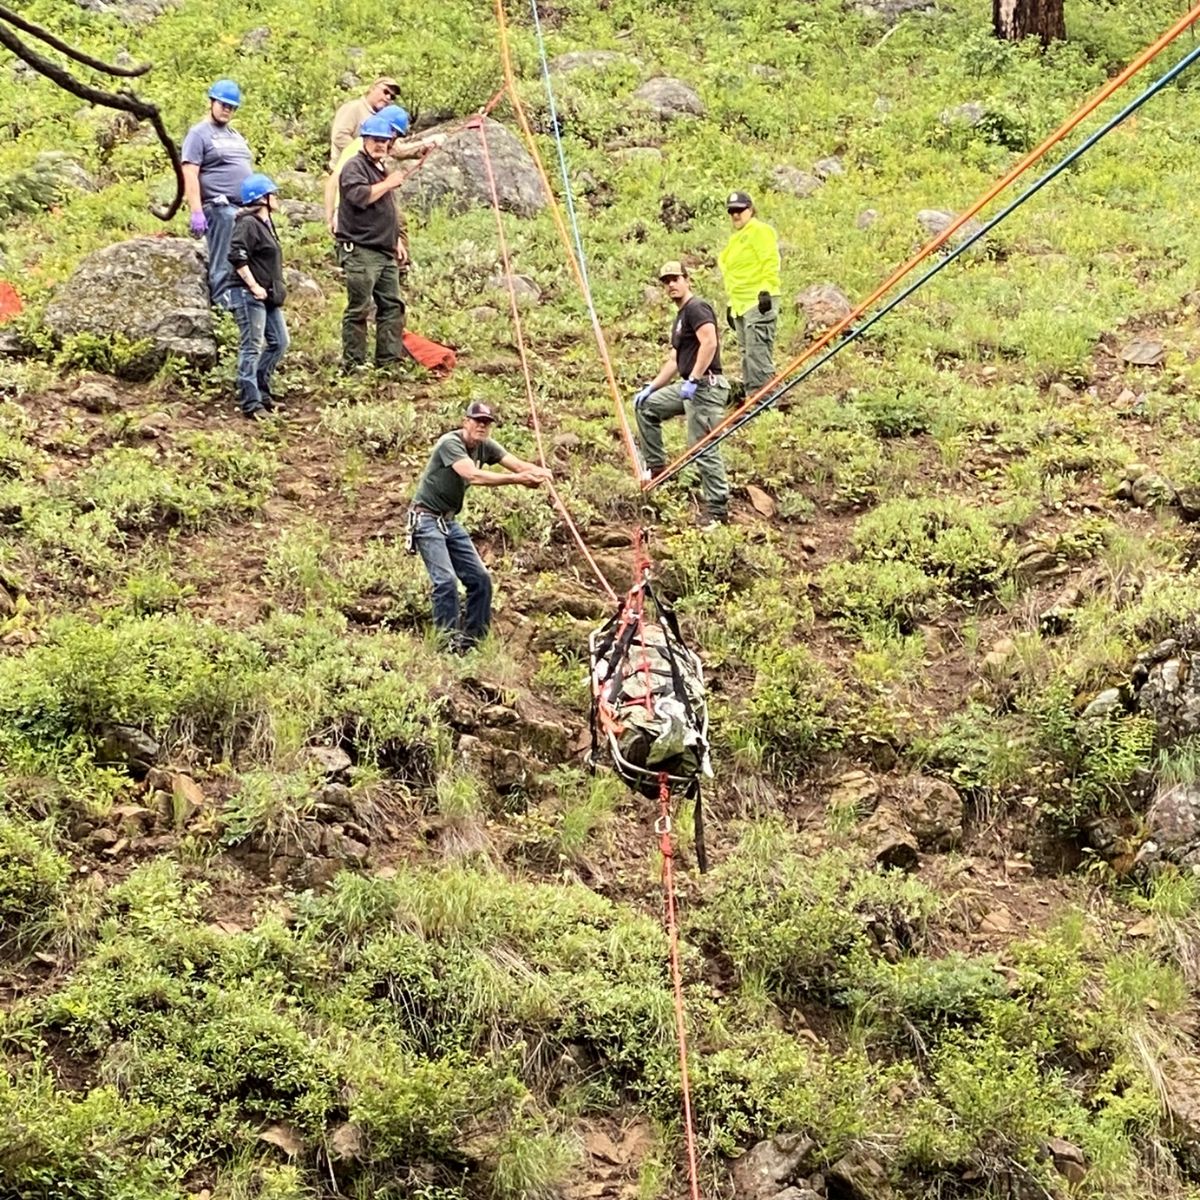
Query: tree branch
point(44, 35)
point(122, 101)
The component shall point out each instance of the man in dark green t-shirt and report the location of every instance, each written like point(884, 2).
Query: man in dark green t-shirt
point(444, 545)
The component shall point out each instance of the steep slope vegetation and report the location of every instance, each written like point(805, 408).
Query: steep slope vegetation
point(293, 905)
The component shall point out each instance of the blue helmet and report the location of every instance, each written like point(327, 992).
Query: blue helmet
point(398, 118)
point(255, 187)
point(377, 126)
point(226, 91)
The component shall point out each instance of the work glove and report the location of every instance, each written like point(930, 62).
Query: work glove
point(687, 389)
point(640, 398)
point(764, 302)
point(198, 224)
point(729, 319)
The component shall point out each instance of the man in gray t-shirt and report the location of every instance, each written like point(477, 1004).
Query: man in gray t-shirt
point(444, 545)
point(216, 159)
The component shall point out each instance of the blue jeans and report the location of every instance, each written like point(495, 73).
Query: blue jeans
point(219, 235)
point(263, 343)
point(449, 558)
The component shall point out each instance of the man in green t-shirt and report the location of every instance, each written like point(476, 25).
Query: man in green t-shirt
point(444, 545)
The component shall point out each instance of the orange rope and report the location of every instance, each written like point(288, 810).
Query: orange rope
point(559, 224)
point(529, 390)
point(899, 273)
point(667, 849)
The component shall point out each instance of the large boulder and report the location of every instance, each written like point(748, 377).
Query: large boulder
point(456, 175)
point(153, 289)
point(669, 98)
point(586, 60)
point(1169, 689)
point(823, 305)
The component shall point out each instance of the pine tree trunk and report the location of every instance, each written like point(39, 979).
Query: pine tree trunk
point(1016, 19)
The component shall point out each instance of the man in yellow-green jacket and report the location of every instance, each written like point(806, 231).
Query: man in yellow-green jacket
point(750, 268)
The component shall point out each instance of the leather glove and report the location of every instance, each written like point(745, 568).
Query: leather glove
point(198, 224)
point(729, 319)
point(764, 302)
point(687, 389)
point(640, 397)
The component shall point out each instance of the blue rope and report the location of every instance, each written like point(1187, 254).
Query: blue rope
point(961, 248)
point(568, 196)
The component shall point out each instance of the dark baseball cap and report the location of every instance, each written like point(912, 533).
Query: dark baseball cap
point(478, 411)
point(737, 201)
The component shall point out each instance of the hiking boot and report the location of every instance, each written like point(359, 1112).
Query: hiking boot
point(713, 520)
point(255, 414)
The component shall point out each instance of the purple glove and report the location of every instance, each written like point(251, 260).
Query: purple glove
point(640, 397)
point(687, 389)
point(198, 223)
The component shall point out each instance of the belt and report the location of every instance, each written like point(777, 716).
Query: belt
point(428, 512)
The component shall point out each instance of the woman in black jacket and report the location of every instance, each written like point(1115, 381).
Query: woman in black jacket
point(258, 295)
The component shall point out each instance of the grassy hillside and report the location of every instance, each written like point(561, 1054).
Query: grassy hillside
point(292, 905)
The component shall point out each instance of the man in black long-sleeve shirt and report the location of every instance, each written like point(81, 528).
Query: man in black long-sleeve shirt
point(371, 248)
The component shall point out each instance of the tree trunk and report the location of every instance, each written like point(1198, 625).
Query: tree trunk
point(1017, 19)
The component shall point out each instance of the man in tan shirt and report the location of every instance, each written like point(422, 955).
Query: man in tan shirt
point(353, 113)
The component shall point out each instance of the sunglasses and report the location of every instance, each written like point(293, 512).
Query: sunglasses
point(389, 93)
point(733, 212)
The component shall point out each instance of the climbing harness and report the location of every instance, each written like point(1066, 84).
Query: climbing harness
point(648, 701)
point(846, 329)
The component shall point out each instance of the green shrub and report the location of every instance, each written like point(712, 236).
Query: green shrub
point(946, 539)
point(32, 880)
point(865, 594)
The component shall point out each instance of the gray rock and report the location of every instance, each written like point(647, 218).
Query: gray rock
point(890, 11)
point(131, 12)
point(770, 1165)
point(95, 397)
point(826, 168)
point(1170, 696)
point(348, 81)
point(586, 60)
point(1143, 352)
point(526, 289)
point(256, 39)
point(69, 174)
point(669, 99)
point(969, 114)
point(12, 345)
point(866, 218)
point(1172, 826)
point(933, 811)
point(484, 312)
point(1106, 704)
point(1152, 490)
point(891, 842)
point(797, 1193)
point(936, 220)
point(146, 288)
point(128, 746)
point(303, 212)
point(794, 181)
point(858, 1175)
point(762, 71)
point(331, 760)
point(823, 305)
point(300, 285)
point(455, 175)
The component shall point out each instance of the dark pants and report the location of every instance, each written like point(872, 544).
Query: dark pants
point(450, 557)
point(264, 339)
point(372, 278)
point(219, 216)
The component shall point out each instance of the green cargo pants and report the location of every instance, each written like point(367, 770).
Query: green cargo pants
point(704, 410)
point(372, 278)
point(756, 340)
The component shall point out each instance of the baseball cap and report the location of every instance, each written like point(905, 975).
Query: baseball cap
point(478, 411)
point(738, 200)
point(671, 268)
point(386, 81)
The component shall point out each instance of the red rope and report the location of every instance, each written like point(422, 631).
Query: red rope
point(519, 333)
point(667, 849)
